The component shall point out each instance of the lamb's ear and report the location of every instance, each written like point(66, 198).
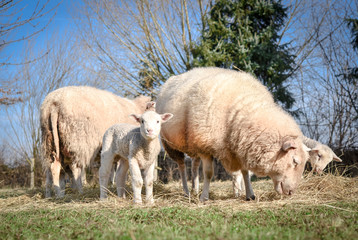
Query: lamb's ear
point(335, 158)
point(136, 117)
point(288, 144)
point(166, 116)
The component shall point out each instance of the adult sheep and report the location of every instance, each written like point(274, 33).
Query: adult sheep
point(73, 121)
point(231, 116)
point(320, 155)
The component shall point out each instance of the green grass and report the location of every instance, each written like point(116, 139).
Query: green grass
point(324, 207)
point(334, 221)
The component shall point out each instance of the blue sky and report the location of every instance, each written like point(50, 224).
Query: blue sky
point(62, 22)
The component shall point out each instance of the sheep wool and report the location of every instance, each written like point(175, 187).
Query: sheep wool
point(73, 120)
point(231, 116)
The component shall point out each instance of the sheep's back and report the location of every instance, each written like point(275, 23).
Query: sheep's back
point(214, 107)
point(84, 114)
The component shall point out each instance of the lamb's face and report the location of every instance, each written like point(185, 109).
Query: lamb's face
point(150, 123)
point(320, 156)
point(288, 168)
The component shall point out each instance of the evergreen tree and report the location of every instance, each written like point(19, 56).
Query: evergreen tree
point(244, 34)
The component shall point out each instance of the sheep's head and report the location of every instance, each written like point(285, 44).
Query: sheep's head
point(320, 156)
point(289, 165)
point(150, 123)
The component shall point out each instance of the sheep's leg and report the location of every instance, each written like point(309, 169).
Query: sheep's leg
point(148, 182)
point(195, 164)
point(55, 171)
point(77, 173)
point(104, 172)
point(121, 176)
point(237, 183)
point(208, 170)
point(48, 183)
point(247, 179)
point(182, 172)
point(137, 180)
point(178, 157)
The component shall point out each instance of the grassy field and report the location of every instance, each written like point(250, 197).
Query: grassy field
point(324, 207)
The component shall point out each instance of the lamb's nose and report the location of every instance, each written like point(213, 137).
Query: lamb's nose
point(149, 131)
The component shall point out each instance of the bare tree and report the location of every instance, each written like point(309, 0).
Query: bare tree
point(35, 80)
point(141, 43)
point(20, 21)
point(328, 112)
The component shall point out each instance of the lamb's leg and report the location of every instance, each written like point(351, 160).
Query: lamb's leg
point(55, 171)
point(121, 176)
point(48, 183)
point(148, 182)
point(237, 183)
point(112, 176)
point(77, 173)
point(195, 164)
point(208, 170)
point(137, 180)
point(104, 172)
point(249, 192)
point(83, 176)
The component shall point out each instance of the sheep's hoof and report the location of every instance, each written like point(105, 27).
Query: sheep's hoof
point(252, 197)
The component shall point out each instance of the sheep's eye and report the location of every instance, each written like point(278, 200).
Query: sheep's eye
point(142, 121)
point(295, 161)
point(319, 155)
point(158, 121)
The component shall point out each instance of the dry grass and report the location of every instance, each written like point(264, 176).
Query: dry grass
point(314, 190)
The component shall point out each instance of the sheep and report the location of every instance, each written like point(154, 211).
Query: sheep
point(73, 120)
point(231, 116)
point(150, 106)
point(319, 156)
point(137, 149)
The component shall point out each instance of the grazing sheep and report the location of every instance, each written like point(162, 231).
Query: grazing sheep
point(73, 121)
point(320, 155)
point(137, 149)
point(231, 116)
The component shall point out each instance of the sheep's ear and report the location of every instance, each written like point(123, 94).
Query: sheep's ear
point(288, 144)
point(335, 158)
point(166, 116)
point(314, 150)
point(307, 149)
point(150, 105)
point(136, 117)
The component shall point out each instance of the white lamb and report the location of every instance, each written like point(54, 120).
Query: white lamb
point(137, 149)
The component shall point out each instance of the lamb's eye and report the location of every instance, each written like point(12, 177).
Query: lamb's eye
point(158, 121)
point(142, 121)
point(319, 155)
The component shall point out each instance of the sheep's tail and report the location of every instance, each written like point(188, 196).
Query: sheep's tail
point(56, 140)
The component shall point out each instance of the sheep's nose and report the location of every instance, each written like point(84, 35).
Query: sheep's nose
point(290, 192)
point(149, 131)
